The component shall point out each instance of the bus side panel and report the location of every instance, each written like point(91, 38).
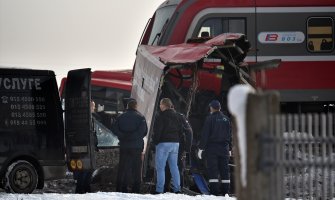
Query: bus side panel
point(145, 90)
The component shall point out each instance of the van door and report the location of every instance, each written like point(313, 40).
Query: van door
point(79, 134)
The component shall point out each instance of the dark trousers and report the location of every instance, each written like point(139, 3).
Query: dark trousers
point(83, 181)
point(130, 164)
point(217, 167)
point(181, 167)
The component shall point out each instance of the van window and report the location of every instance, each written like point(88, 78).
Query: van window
point(212, 27)
point(320, 34)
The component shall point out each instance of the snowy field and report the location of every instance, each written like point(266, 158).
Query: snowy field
point(108, 195)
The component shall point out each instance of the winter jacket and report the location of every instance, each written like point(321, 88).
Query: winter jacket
point(216, 133)
point(167, 127)
point(130, 128)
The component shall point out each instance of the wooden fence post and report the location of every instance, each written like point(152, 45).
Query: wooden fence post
point(259, 107)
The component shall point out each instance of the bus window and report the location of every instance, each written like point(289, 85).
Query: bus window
point(105, 136)
point(109, 104)
point(320, 35)
point(110, 98)
point(212, 27)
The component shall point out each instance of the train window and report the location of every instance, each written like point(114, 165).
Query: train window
point(215, 26)
point(320, 34)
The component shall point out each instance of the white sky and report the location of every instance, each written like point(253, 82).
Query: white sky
point(61, 35)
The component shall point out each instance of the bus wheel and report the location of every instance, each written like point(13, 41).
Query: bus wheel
point(21, 177)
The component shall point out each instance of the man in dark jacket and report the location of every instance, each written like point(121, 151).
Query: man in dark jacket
point(130, 128)
point(185, 144)
point(216, 143)
point(167, 130)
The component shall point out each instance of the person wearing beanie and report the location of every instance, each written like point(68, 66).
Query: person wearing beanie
point(214, 147)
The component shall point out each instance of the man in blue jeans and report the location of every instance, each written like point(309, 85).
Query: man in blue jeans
point(167, 130)
point(185, 144)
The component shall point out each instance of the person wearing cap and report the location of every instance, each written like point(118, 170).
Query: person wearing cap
point(130, 128)
point(215, 146)
point(167, 132)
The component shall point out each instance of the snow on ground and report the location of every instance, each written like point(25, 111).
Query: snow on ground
point(109, 195)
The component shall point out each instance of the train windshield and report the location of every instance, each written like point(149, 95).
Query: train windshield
point(162, 17)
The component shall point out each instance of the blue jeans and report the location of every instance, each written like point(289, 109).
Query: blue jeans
point(167, 151)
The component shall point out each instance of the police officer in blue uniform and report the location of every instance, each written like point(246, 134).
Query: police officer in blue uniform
point(215, 145)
